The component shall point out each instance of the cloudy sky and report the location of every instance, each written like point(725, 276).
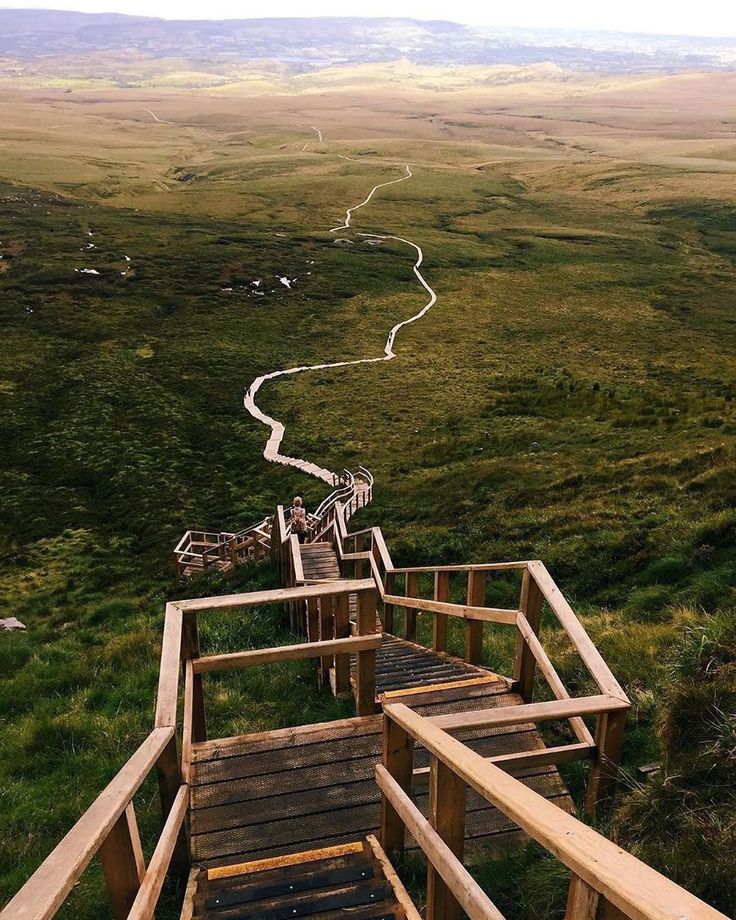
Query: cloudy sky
point(705, 17)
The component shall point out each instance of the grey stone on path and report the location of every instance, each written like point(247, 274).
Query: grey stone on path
point(10, 623)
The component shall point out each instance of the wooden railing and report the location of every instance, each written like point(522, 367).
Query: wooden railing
point(108, 829)
point(606, 882)
point(366, 553)
point(199, 550)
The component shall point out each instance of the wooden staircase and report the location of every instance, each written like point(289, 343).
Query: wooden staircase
point(322, 884)
point(319, 562)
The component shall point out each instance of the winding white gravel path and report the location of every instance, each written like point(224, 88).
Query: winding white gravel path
point(272, 449)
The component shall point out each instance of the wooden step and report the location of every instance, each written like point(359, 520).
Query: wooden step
point(319, 562)
point(322, 884)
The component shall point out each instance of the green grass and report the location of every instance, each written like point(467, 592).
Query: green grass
point(571, 397)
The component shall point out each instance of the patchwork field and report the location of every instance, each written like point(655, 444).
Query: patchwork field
point(571, 396)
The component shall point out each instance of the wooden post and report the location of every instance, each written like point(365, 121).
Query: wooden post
point(447, 817)
point(342, 631)
point(359, 562)
point(326, 621)
point(169, 783)
point(609, 737)
point(190, 649)
point(312, 619)
point(439, 622)
point(582, 900)
point(410, 616)
point(365, 662)
point(530, 604)
point(388, 609)
point(122, 863)
point(398, 759)
point(474, 628)
point(234, 553)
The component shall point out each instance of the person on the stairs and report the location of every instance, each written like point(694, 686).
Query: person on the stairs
point(299, 519)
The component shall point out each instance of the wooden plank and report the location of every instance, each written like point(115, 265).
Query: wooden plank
point(521, 760)
point(346, 899)
point(295, 652)
point(447, 817)
point(474, 629)
point(45, 891)
point(400, 892)
point(122, 863)
point(276, 596)
point(592, 658)
point(168, 677)
point(466, 612)
point(530, 712)
point(290, 859)
point(472, 567)
point(150, 891)
point(534, 647)
point(289, 885)
point(431, 688)
point(190, 894)
point(299, 735)
point(439, 620)
point(168, 772)
point(473, 900)
point(582, 900)
point(631, 886)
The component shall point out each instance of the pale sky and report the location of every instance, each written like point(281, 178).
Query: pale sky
point(704, 17)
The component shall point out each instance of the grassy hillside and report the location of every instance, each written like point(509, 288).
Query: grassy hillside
point(570, 397)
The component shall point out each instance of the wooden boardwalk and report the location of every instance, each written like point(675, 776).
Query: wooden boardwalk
point(273, 793)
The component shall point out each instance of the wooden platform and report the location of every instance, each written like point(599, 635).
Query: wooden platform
point(273, 793)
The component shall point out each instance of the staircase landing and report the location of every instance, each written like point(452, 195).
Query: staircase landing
point(269, 794)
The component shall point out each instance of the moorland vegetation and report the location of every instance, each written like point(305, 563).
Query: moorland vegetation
point(571, 397)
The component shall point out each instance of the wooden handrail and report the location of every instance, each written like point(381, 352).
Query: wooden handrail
point(45, 891)
point(464, 611)
point(472, 567)
point(168, 675)
point(150, 890)
point(636, 889)
point(296, 559)
point(551, 676)
point(303, 650)
point(277, 596)
point(520, 760)
point(530, 712)
point(590, 655)
point(474, 901)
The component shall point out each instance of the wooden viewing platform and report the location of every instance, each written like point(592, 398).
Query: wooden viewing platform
point(443, 756)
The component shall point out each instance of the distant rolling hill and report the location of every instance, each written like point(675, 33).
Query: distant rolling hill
point(302, 44)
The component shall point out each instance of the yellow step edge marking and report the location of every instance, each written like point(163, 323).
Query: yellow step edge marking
point(290, 859)
point(429, 688)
